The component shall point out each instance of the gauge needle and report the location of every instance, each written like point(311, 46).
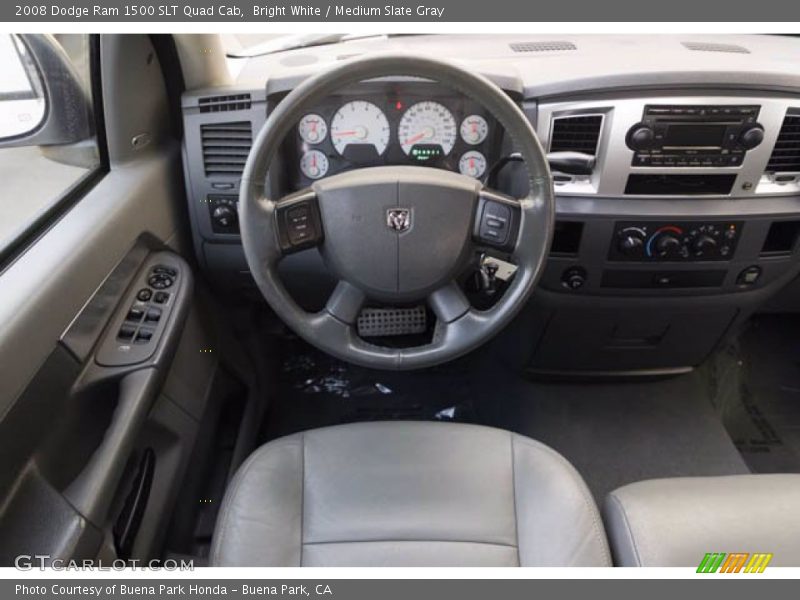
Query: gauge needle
point(416, 138)
point(359, 132)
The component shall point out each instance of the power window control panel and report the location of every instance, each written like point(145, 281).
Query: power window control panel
point(144, 314)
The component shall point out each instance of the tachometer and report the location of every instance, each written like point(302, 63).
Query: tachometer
point(474, 129)
point(472, 163)
point(314, 164)
point(312, 128)
point(427, 129)
point(360, 123)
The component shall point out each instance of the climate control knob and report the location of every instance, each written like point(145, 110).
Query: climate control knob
point(631, 244)
point(750, 138)
point(668, 245)
point(703, 245)
point(640, 137)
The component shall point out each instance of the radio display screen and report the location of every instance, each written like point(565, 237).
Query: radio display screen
point(683, 136)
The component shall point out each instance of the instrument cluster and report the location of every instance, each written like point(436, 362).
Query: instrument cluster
point(400, 124)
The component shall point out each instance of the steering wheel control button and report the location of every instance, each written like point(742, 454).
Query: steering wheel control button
point(144, 294)
point(749, 276)
point(299, 225)
point(496, 223)
point(574, 278)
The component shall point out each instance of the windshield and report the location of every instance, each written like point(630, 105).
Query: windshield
point(247, 45)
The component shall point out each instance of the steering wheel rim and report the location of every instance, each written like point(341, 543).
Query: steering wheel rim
point(460, 327)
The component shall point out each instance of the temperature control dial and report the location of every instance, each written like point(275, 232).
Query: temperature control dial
point(681, 241)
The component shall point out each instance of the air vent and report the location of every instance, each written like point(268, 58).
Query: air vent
point(712, 47)
point(786, 154)
point(576, 134)
point(225, 147)
point(558, 46)
point(224, 103)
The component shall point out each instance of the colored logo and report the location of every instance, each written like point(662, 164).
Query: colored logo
point(736, 562)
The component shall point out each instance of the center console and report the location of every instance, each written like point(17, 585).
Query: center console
point(689, 222)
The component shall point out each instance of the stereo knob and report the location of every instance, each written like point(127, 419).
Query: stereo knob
point(668, 245)
point(631, 244)
point(703, 244)
point(750, 138)
point(224, 216)
point(640, 137)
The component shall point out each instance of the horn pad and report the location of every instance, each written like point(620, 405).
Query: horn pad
point(398, 233)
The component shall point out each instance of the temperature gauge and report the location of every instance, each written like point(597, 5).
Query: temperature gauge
point(314, 164)
point(474, 129)
point(472, 163)
point(312, 128)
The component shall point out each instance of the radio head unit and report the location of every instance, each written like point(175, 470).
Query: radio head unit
point(694, 136)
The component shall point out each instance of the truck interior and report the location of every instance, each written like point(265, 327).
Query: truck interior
point(400, 300)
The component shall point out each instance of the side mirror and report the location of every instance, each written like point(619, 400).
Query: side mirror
point(42, 100)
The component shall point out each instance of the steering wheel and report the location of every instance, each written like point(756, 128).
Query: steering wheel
point(396, 234)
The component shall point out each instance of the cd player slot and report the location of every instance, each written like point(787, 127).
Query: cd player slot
point(646, 184)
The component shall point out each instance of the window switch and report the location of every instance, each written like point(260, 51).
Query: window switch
point(126, 333)
point(153, 315)
point(161, 297)
point(135, 314)
point(144, 336)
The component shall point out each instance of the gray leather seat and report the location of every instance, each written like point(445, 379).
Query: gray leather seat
point(408, 494)
point(675, 522)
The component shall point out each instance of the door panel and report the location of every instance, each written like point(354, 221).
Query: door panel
point(74, 428)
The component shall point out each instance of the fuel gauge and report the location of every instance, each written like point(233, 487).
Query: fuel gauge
point(314, 164)
point(472, 163)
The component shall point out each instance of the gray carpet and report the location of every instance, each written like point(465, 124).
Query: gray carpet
point(756, 387)
point(618, 433)
point(613, 433)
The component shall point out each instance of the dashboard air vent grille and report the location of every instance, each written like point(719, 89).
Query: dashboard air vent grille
point(576, 134)
point(786, 154)
point(713, 47)
point(225, 147)
point(224, 103)
point(557, 46)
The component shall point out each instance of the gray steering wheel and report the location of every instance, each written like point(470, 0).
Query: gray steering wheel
point(396, 234)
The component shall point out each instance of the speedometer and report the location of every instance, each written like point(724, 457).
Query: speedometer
point(427, 129)
point(360, 124)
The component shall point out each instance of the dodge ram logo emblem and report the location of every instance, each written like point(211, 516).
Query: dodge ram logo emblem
point(398, 219)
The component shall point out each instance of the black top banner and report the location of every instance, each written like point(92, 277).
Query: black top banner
point(253, 11)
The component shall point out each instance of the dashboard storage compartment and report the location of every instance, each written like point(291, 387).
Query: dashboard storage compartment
point(680, 185)
point(612, 340)
point(632, 279)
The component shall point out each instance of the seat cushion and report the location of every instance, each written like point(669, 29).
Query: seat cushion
point(408, 494)
point(675, 522)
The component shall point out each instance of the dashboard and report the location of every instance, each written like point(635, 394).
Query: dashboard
point(401, 123)
point(687, 221)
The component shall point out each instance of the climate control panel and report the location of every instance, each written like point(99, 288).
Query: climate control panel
point(678, 241)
